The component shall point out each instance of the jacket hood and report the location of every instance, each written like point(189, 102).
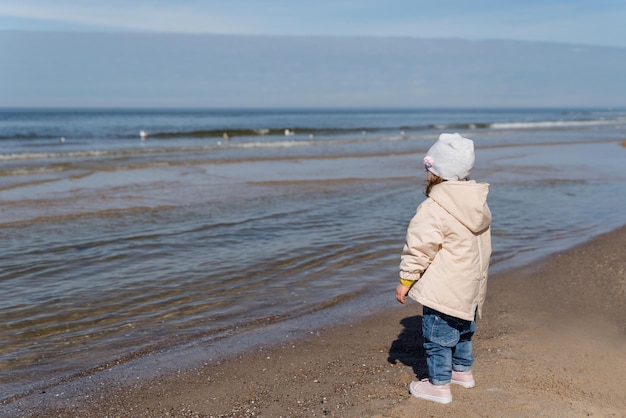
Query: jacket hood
point(466, 201)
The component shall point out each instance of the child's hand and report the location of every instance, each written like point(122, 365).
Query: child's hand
point(401, 292)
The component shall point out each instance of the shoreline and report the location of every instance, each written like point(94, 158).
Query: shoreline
point(541, 350)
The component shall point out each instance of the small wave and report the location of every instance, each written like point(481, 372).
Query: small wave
point(30, 171)
point(276, 144)
point(553, 124)
point(310, 131)
point(218, 145)
point(137, 151)
point(233, 133)
point(54, 155)
point(211, 133)
point(229, 134)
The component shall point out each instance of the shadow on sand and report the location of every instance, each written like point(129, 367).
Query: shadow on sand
point(408, 347)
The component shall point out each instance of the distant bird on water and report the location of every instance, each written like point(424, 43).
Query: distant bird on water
point(143, 135)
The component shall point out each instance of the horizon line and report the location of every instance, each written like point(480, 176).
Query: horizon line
point(127, 31)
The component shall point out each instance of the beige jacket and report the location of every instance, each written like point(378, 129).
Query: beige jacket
point(447, 249)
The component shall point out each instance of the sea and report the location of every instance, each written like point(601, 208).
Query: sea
point(126, 234)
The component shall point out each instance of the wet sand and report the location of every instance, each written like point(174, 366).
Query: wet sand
point(551, 344)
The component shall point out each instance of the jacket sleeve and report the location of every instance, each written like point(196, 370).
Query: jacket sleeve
point(424, 238)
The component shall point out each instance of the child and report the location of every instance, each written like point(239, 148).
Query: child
point(444, 265)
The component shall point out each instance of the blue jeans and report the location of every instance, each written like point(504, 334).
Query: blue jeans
point(448, 345)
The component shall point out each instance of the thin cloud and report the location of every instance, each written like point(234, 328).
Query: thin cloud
point(173, 18)
point(599, 23)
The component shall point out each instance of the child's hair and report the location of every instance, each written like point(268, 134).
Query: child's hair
point(431, 182)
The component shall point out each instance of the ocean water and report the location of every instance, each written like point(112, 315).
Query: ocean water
point(116, 245)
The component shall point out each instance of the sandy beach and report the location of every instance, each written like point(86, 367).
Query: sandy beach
point(551, 344)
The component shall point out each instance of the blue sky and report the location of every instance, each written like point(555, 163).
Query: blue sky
point(371, 53)
point(598, 22)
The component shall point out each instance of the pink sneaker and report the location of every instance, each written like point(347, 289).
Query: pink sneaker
point(465, 379)
point(426, 390)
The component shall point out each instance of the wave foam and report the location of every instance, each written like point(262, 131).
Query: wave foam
point(553, 124)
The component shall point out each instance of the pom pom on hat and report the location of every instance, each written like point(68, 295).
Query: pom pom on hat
point(451, 157)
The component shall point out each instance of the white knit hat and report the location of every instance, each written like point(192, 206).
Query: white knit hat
point(451, 157)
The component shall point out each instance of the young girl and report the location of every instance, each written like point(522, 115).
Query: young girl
point(444, 265)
